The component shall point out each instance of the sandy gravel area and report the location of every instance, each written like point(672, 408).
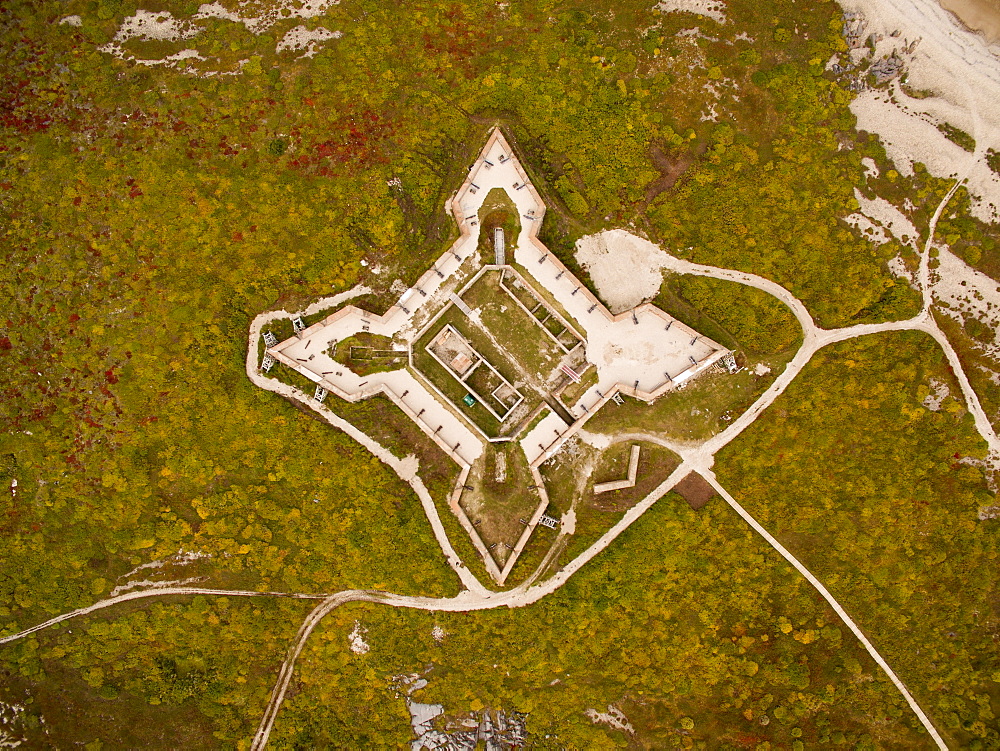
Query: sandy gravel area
point(961, 290)
point(627, 270)
point(878, 220)
point(303, 38)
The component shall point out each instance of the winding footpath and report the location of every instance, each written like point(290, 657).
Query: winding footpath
point(158, 592)
point(697, 458)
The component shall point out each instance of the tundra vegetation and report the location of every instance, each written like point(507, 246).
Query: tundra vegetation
point(147, 212)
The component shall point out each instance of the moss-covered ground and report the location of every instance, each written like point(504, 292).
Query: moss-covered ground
point(876, 494)
point(148, 212)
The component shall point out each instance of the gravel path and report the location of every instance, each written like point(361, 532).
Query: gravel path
point(158, 592)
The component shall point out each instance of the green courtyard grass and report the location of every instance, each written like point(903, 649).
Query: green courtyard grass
point(570, 479)
point(512, 341)
point(500, 498)
point(702, 408)
point(366, 353)
point(574, 390)
point(445, 381)
point(497, 211)
point(519, 334)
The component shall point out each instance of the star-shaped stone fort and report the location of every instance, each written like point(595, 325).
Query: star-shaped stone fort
point(498, 347)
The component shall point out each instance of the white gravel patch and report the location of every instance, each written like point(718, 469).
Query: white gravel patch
point(181, 558)
point(303, 38)
point(878, 221)
point(172, 60)
point(627, 270)
point(147, 25)
point(714, 9)
point(11, 725)
point(876, 233)
point(883, 214)
point(614, 718)
point(217, 10)
point(939, 391)
point(268, 15)
point(356, 639)
point(422, 714)
point(71, 21)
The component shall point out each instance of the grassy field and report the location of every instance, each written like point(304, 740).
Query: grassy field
point(454, 391)
point(547, 298)
point(880, 497)
point(690, 625)
point(574, 391)
point(655, 465)
point(149, 211)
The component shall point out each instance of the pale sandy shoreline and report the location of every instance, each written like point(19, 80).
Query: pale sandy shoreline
point(952, 76)
point(981, 16)
point(958, 74)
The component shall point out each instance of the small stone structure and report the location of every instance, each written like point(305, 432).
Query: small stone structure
point(628, 482)
point(729, 363)
point(499, 254)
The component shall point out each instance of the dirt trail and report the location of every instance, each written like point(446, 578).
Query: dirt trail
point(158, 592)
